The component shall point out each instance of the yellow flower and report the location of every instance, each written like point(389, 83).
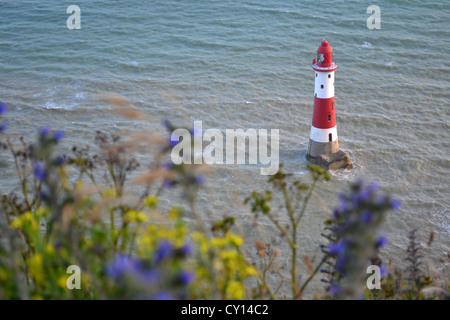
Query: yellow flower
point(3, 275)
point(49, 249)
point(228, 254)
point(141, 217)
point(17, 223)
point(235, 239)
point(62, 282)
point(151, 201)
point(235, 290)
point(218, 242)
point(250, 271)
point(108, 193)
point(41, 212)
point(174, 213)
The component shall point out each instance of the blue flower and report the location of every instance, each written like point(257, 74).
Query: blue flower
point(121, 265)
point(44, 132)
point(186, 277)
point(336, 248)
point(381, 242)
point(200, 179)
point(173, 143)
point(364, 195)
point(59, 135)
point(373, 187)
point(60, 160)
point(167, 165)
point(3, 126)
point(334, 290)
point(150, 276)
point(185, 250)
point(167, 184)
point(163, 296)
point(3, 108)
point(366, 216)
point(164, 251)
point(166, 124)
point(39, 171)
point(395, 204)
point(336, 213)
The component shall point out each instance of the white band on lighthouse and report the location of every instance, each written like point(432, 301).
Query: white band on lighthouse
point(323, 135)
point(324, 85)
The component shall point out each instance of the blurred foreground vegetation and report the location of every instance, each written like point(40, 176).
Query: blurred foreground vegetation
point(75, 214)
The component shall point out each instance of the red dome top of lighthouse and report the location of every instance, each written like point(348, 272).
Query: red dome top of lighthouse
point(325, 47)
point(325, 57)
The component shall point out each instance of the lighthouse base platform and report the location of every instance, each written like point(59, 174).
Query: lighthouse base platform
point(334, 161)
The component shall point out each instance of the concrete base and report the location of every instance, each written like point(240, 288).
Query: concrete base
point(334, 161)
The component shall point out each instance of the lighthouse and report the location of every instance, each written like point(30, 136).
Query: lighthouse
point(323, 146)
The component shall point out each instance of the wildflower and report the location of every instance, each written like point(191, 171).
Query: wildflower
point(173, 143)
point(3, 126)
point(395, 204)
point(383, 270)
point(167, 165)
point(336, 248)
point(60, 160)
point(356, 220)
point(59, 135)
point(381, 242)
point(164, 250)
point(163, 296)
point(123, 264)
point(334, 290)
point(39, 171)
point(167, 184)
point(3, 108)
point(373, 187)
point(200, 179)
point(336, 213)
point(186, 278)
point(185, 250)
point(166, 124)
point(366, 216)
point(44, 132)
point(364, 195)
point(149, 276)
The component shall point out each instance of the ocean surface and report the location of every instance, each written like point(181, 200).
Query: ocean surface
point(247, 64)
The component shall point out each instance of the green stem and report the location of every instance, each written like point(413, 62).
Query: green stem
point(312, 275)
point(305, 202)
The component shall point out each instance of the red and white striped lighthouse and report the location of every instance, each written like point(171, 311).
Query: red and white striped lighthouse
point(323, 139)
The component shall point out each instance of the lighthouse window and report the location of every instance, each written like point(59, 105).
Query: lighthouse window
point(330, 137)
point(316, 74)
point(321, 86)
point(329, 118)
point(329, 76)
point(320, 57)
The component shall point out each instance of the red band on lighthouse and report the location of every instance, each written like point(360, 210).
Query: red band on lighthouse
point(323, 116)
